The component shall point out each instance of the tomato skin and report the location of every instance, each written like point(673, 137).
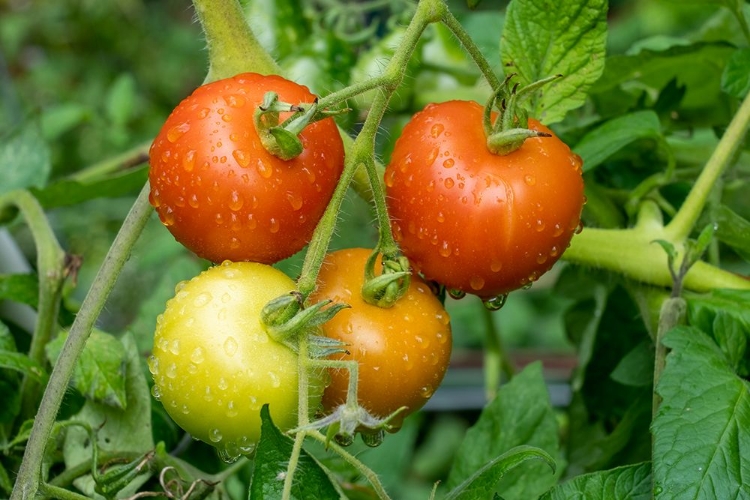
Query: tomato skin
point(214, 366)
point(403, 352)
point(217, 189)
point(474, 221)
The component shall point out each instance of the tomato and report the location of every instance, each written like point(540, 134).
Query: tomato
point(475, 221)
point(403, 351)
point(214, 366)
point(218, 190)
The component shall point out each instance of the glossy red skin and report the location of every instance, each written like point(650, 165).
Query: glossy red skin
point(403, 352)
point(221, 194)
point(474, 221)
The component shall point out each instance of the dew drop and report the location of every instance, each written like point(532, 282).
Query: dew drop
point(214, 435)
point(449, 182)
point(156, 392)
point(540, 226)
point(154, 198)
point(172, 370)
point(208, 394)
point(254, 403)
point(264, 170)
point(204, 113)
point(445, 249)
point(177, 131)
point(167, 217)
point(242, 157)
point(530, 180)
point(432, 156)
point(554, 251)
point(389, 175)
point(235, 201)
point(427, 391)
point(227, 118)
point(558, 230)
point(495, 303)
point(153, 365)
point(496, 265)
point(202, 299)
point(449, 163)
point(232, 410)
point(174, 347)
point(234, 100)
point(476, 283)
point(275, 380)
point(579, 228)
point(457, 294)
point(541, 258)
point(230, 346)
point(274, 228)
point(188, 162)
point(294, 200)
point(222, 385)
point(436, 130)
point(444, 319)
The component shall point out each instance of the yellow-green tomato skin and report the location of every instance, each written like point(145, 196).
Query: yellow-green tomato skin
point(213, 364)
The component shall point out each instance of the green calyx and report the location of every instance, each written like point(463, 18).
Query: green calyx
point(386, 288)
point(285, 319)
point(510, 129)
point(282, 139)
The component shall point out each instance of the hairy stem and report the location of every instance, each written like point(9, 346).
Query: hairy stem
point(29, 474)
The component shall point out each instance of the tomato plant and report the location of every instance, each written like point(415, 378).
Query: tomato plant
point(221, 193)
point(475, 221)
point(214, 365)
point(402, 352)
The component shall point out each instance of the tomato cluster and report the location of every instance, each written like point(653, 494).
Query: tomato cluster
point(469, 219)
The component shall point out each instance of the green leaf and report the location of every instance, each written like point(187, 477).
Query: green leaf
point(700, 432)
point(694, 66)
point(271, 459)
point(67, 192)
point(24, 159)
point(121, 100)
point(57, 120)
point(732, 229)
point(5, 483)
point(100, 370)
point(637, 367)
point(482, 483)
point(731, 339)
point(520, 414)
point(735, 80)
point(632, 482)
point(542, 38)
point(615, 134)
point(21, 363)
point(118, 430)
point(22, 288)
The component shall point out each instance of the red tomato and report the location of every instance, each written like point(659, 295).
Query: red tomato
point(403, 351)
point(218, 190)
point(475, 221)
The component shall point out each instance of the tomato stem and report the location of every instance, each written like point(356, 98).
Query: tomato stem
point(232, 45)
point(29, 473)
point(450, 21)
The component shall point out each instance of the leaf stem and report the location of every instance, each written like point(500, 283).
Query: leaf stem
point(232, 45)
point(682, 224)
point(496, 360)
point(29, 474)
point(455, 27)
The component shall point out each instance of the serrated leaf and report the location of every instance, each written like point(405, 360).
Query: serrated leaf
point(271, 459)
point(100, 370)
point(615, 134)
point(22, 288)
point(731, 339)
point(700, 432)
point(732, 229)
point(520, 414)
point(703, 308)
point(542, 38)
point(482, 483)
point(67, 192)
point(24, 159)
point(118, 430)
point(637, 367)
point(632, 482)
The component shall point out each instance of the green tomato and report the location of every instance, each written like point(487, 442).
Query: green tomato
point(213, 364)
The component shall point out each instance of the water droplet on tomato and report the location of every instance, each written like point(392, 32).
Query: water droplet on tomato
point(476, 282)
point(242, 157)
point(579, 228)
point(449, 163)
point(227, 118)
point(541, 258)
point(449, 182)
point(457, 294)
point(232, 409)
point(540, 226)
point(432, 156)
point(496, 265)
point(557, 231)
point(251, 222)
point(253, 403)
point(427, 391)
point(294, 200)
point(208, 394)
point(188, 162)
point(167, 217)
point(495, 303)
point(530, 180)
point(202, 299)
point(177, 131)
point(214, 435)
point(154, 197)
point(197, 355)
point(445, 249)
point(204, 113)
point(436, 130)
point(554, 251)
point(153, 365)
point(174, 347)
point(230, 346)
point(275, 380)
point(222, 385)
point(235, 201)
point(264, 170)
point(274, 225)
point(156, 392)
point(234, 100)
point(172, 370)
